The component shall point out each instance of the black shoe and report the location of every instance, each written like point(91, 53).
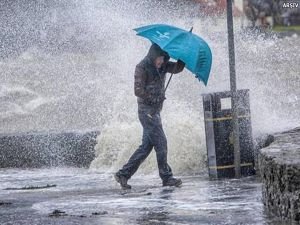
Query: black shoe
point(122, 181)
point(172, 182)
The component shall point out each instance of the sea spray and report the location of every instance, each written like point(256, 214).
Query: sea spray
point(76, 60)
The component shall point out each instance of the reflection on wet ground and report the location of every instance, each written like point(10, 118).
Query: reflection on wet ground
point(90, 197)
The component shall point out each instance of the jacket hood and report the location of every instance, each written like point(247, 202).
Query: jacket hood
point(155, 51)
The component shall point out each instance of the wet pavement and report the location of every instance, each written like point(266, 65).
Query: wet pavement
point(82, 196)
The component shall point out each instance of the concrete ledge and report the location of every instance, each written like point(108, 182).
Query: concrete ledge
point(47, 149)
point(279, 165)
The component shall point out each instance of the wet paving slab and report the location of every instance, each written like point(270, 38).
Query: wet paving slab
point(80, 196)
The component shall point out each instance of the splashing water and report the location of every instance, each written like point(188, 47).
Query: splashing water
point(75, 72)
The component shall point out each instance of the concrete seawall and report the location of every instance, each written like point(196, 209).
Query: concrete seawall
point(279, 165)
point(47, 149)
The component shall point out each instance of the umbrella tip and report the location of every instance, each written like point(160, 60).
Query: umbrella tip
point(191, 29)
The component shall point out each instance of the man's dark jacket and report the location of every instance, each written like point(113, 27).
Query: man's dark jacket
point(149, 82)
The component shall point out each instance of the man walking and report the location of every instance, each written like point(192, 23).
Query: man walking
point(149, 87)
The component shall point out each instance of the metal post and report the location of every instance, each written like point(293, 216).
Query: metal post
point(234, 103)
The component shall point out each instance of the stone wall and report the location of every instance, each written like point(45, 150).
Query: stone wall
point(47, 149)
point(279, 165)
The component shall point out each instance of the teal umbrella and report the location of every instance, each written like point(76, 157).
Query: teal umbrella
point(183, 45)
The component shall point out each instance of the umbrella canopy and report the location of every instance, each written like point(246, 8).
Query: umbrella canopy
point(183, 45)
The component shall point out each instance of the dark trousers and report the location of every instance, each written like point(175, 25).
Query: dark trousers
point(153, 136)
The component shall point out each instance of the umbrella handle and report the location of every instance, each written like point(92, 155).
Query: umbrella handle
point(171, 76)
point(169, 82)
